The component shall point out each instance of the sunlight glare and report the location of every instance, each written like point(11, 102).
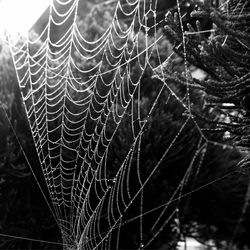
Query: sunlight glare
point(18, 16)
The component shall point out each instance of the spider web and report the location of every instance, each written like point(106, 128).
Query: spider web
point(78, 92)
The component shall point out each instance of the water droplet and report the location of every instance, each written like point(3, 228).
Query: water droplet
point(141, 246)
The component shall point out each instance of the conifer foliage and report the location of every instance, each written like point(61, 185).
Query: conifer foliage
point(223, 53)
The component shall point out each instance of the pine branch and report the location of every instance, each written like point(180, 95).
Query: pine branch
point(224, 56)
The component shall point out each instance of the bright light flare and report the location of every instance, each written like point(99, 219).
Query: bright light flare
point(18, 16)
